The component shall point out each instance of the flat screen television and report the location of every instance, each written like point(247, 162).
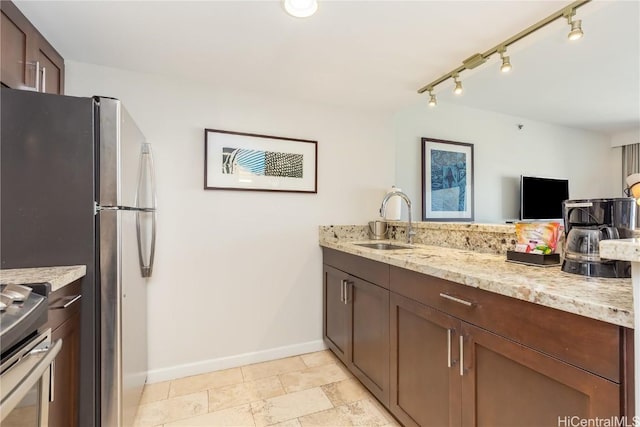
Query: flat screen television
point(541, 198)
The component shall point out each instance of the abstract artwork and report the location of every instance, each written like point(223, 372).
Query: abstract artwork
point(243, 161)
point(447, 180)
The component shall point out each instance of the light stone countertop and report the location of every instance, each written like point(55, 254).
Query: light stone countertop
point(609, 300)
point(621, 249)
point(58, 277)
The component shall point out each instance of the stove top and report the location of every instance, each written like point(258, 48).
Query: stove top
point(23, 310)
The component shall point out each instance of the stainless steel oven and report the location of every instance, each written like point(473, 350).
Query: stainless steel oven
point(27, 363)
point(26, 380)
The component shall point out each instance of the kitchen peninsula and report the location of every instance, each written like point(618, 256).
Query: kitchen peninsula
point(427, 328)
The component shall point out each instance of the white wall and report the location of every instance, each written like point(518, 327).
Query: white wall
point(502, 152)
point(238, 274)
point(625, 138)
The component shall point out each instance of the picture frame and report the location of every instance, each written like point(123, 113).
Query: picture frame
point(253, 162)
point(447, 180)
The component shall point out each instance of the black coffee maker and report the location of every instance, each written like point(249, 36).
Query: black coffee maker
point(587, 222)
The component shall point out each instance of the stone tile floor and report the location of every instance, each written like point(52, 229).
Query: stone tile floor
point(313, 389)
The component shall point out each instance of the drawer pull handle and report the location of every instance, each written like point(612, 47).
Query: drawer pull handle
point(70, 301)
point(448, 348)
point(458, 300)
point(461, 355)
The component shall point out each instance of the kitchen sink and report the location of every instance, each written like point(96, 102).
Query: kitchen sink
point(383, 246)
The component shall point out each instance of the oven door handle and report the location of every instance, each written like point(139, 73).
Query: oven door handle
point(16, 382)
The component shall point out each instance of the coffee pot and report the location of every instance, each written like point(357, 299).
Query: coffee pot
point(582, 243)
point(587, 223)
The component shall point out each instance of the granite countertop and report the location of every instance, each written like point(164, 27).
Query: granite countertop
point(621, 249)
point(609, 300)
point(58, 277)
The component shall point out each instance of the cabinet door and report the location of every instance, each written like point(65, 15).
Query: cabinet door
point(369, 333)
point(51, 69)
point(335, 325)
point(63, 411)
point(16, 64)
point(425, 379)
point(507, 384)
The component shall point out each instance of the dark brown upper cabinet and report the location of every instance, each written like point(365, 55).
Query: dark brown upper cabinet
point(28, 61)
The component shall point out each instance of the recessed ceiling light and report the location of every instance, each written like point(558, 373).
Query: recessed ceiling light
point(301, 8)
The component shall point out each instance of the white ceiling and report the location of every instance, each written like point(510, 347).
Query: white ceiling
point(369, 54)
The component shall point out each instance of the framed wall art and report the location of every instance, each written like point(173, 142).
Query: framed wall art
point(245, 161)
point(447, 180)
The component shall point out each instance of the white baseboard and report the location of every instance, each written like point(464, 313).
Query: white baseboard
point(201, 367)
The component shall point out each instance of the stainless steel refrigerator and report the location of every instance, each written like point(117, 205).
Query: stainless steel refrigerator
point(77, 186)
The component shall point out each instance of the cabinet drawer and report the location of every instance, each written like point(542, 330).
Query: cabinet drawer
point(366, 269)
point(64, 303)
point(587, 343)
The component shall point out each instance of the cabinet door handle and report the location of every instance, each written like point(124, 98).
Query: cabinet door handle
point(458, 300)
point(342, 282)
point(37, 76)
point(461, 355)
point(346, 291)
point(52, 380)
point(36, 79)
point(44, 79)
point(448, 348)
point(70, 301)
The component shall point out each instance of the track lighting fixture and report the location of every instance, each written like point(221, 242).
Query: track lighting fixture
point(576, 26)
point(458, 89)
point(478, 59)
point(432, 99)
point(506, 64)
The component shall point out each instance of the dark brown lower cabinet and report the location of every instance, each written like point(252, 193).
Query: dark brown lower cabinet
point(64, 321)
point(63, 411)
point(425, 383)
point(336, 312)
point(501, 383)
point(508, 384)
point(369, 335)
point(356, 328)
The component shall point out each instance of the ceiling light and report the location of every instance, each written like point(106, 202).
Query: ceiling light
point(506, 64)
point(301, 8)
point(576, 30)
point(475, 60)
point(458, 88)
point(576, 26)
point(432, 99)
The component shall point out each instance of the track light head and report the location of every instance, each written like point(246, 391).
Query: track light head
point(576, 26)
point(433, 101)
point(506, 64)
point(458, 89)
point(576, 30)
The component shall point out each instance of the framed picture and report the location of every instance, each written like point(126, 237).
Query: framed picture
point(245, 161)
point(447, 180)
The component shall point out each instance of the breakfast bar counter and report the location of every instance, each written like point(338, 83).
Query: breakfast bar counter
point(608, 300)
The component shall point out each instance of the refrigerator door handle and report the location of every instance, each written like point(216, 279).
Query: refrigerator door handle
point(147, 171)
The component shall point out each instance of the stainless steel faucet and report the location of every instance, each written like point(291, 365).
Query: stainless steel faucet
point(403, 196)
